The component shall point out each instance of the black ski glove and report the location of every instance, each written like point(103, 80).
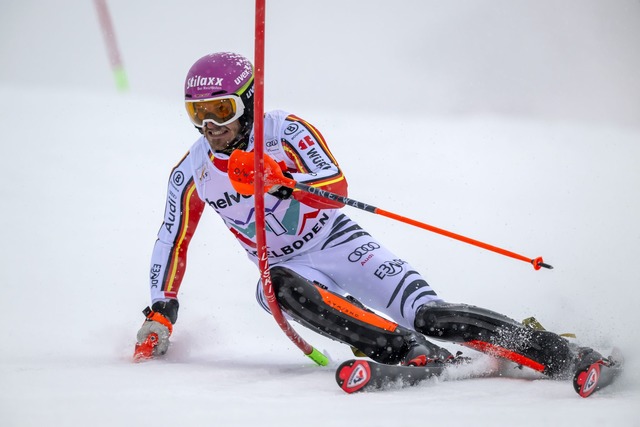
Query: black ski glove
point(280, 191)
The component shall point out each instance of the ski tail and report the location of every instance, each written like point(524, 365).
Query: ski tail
point(364, 375)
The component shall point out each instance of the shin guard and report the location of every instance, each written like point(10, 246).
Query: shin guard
point(342, 319)
point(495, 334)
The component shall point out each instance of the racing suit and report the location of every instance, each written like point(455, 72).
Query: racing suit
point(304, 233)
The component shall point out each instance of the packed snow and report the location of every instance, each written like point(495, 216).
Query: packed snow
point(83, 183)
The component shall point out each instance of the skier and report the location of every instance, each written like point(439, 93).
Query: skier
point(329, 274)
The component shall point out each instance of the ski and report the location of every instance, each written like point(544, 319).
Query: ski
point(595, 372)
point(591, 374)
point(364, 375)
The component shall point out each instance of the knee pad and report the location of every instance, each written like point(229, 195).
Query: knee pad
point(339, 318)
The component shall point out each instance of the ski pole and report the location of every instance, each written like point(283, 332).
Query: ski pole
point(241, 172)
point(536, 262)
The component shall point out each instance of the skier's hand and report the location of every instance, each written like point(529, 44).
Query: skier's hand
point(153, 336)
point(241, 173)
point(280, 191)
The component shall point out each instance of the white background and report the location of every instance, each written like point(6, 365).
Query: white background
point(512, 122)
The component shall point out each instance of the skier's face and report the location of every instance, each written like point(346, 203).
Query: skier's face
point(219, 137)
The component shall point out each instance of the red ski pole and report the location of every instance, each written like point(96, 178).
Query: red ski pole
point(263, 262)
point(536, 262)
point(242, 180)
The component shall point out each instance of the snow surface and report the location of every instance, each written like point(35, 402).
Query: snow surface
point(84, 196)
point(84, 175)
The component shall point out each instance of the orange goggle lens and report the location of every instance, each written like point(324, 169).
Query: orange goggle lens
point(221, 111)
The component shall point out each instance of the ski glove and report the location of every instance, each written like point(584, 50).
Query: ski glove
point(280, 191)
point(153, 335)
point(241, 173)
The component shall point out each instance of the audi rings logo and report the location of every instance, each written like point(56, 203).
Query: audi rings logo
point(291, 129)
point(358, 253)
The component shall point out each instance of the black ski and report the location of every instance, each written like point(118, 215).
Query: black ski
point(595, 372)
point(592, 373)
point(361, 375)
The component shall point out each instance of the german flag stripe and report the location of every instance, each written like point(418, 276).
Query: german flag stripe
point(316, 133)
point(327, 181)
point(191, 207)
point(293, 155)
point(301, 166)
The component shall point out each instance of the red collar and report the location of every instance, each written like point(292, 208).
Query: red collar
point(220, 164)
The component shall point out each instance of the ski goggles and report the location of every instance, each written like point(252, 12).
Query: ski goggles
point(220, 111)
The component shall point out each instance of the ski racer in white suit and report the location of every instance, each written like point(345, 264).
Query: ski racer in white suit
point(315, 250)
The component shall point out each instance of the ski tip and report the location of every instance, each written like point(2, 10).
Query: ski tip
point(598, 372)
point(585, 382)
point(353, 375)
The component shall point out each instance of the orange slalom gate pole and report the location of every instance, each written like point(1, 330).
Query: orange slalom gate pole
point(263, 263)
